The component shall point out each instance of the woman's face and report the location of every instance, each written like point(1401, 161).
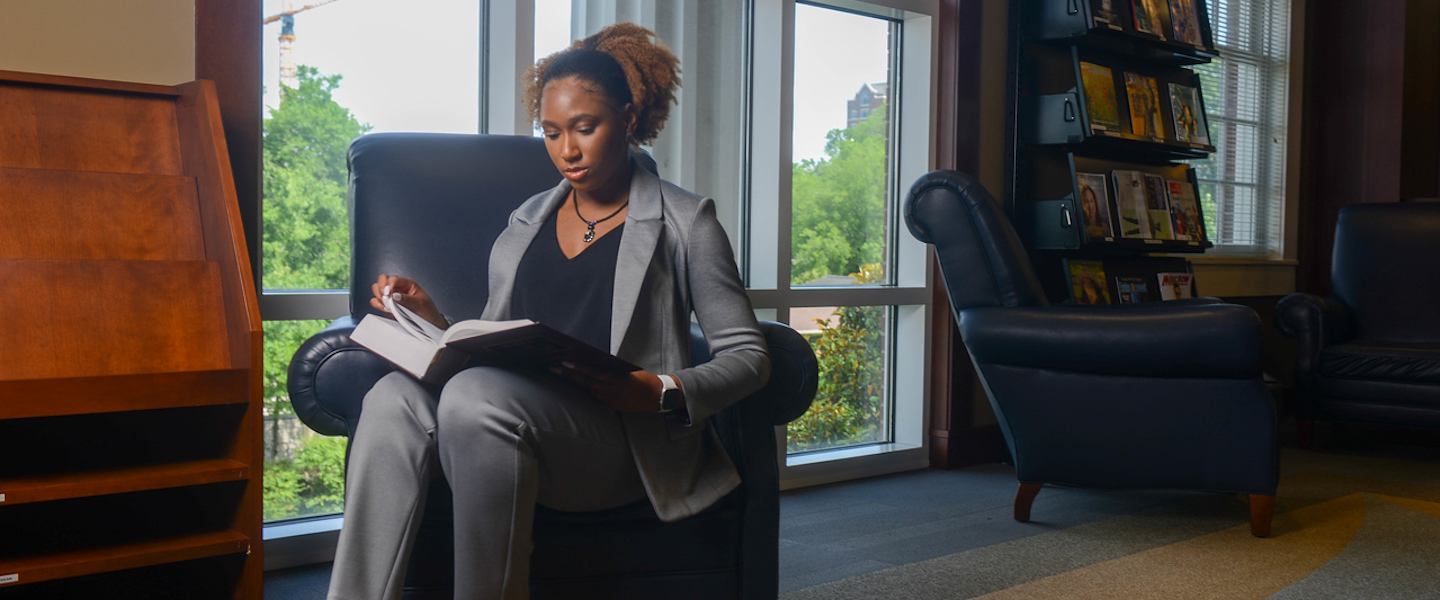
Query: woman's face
point(585, 134)
point(1090, 205)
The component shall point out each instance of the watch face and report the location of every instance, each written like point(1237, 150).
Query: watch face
point(669, 400)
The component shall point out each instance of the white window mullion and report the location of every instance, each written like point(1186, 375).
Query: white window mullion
point(509, 51)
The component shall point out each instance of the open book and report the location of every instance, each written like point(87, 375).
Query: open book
point(434, 355)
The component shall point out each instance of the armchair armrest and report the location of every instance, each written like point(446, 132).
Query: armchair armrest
point(1204, 340)
point(794, 373)
point(1299, 315)
point(329, 377)
point(1315, 323)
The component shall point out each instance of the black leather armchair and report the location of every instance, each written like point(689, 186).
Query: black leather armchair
point(429, 206)
point(1159, 395)
point(1370, 352)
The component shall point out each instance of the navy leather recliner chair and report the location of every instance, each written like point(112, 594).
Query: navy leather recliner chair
point(429, 206)
point(1163, 395)
point(1370, 352)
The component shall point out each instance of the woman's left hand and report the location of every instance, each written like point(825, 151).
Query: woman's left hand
point(638, 391)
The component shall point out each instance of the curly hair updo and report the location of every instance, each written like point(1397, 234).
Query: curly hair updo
point(626, 64)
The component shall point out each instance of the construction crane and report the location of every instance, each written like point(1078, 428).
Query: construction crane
point(286, 17)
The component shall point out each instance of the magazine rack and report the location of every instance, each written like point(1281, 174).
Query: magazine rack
point(130, 447)
point(1072, 61)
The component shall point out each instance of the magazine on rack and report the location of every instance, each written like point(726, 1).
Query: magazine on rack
point(1133, 215)
point(1099, 85)
point(1144, 98)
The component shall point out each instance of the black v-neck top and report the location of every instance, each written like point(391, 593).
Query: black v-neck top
point(573, 295)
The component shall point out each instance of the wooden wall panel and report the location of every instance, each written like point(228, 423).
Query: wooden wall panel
point(86, 215)
point(227, 52)
point(1369, 124)
point(91, 318)
point(70, 129)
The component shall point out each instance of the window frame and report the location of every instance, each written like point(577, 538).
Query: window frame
point(769, 231)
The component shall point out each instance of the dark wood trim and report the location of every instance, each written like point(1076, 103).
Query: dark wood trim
point(227, 52)
point(1369, 117)
point(954, 439)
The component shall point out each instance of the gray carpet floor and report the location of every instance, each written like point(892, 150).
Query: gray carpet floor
point(834, 532)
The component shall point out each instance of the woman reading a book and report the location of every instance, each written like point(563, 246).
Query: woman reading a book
point(613, 256)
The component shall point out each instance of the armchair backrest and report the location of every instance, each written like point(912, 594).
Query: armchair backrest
point(981, 257)
point(1386, 269)
point(430, 205)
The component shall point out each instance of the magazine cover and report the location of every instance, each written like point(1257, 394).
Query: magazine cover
point(1157, 207)
point(1185, 22)
point(1087, 282)
point(1130, 204)
point(1189, 118)
point(1094, 205)
point(1144, 106)
point(1184, 212)
point(1131, 290)
point(1103, 11)
point(1176, 286)
point(1099, 86)
point(1147, 16)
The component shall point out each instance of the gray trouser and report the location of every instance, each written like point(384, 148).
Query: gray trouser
point(504, 440)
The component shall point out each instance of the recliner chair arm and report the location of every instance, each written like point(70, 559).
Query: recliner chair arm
point(1201, 341)
point(329, 377)
point(1315, 323)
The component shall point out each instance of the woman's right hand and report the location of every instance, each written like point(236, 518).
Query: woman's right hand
point(407, 293)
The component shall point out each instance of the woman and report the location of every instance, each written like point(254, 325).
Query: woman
point(612, 255)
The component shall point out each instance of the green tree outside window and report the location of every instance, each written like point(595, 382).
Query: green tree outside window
point(305, 245)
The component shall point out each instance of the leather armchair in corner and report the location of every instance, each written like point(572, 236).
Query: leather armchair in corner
point(1370, 352)
point(1162, 395)
point(429, 206)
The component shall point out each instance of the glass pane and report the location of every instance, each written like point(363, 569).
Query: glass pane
point(839, 194)
point(852, 403)
point(304, 471)
point(552, 27)
point(332, 72)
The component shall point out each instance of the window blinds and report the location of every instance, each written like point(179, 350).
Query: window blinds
point(1242, 185)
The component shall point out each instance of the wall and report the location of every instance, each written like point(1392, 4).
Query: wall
point(147, 41)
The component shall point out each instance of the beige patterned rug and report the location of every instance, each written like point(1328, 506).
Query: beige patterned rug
point(1335, 535)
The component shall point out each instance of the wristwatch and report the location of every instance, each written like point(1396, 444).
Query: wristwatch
point(669, 394)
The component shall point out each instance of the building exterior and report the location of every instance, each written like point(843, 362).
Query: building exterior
point(868, 98)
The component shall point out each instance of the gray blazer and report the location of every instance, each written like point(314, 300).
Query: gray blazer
point(674, 260)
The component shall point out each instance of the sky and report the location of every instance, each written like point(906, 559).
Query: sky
point(414, 65)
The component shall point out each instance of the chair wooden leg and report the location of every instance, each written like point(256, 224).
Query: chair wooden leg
point(1024, 497)
point(1305, 432)
point(1262, 509)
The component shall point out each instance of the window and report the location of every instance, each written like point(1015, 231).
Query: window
point(455, 65)
point(824, 251)
point(1242, 185)
point(329, 77)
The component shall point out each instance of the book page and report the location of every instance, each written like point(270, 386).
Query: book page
point(476, 327)
point(413, 323)
point(387, 338)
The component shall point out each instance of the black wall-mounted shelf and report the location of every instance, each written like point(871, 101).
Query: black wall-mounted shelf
point(1054, 137)
point(1067, 22)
